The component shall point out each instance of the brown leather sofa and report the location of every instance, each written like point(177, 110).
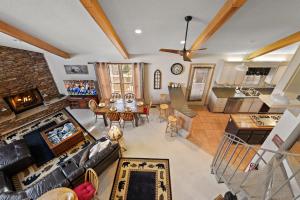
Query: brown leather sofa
point(68, 174)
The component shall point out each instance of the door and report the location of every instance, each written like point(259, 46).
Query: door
point(199, 83)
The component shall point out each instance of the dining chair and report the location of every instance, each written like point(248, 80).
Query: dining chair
point(116, 95)
point(129, 96)
point(146, 111)
point(114, 117)
point(93, 107)
point(128, 117)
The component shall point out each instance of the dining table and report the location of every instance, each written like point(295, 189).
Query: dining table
point(136, 106)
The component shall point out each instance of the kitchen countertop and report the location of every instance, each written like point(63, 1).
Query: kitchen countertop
point(230, 92)
point(179, 103)
point(243, 121)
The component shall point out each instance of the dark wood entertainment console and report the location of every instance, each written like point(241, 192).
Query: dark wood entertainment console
point(81, 102)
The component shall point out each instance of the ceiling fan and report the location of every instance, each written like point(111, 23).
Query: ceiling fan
point(184, 53)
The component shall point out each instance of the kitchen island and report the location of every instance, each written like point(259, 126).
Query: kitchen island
point(253, 129)
point(181, 109)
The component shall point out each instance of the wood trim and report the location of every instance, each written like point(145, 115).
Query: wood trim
point(295, 37)
point(21, 35)
point(228, 9)
point(97, 13)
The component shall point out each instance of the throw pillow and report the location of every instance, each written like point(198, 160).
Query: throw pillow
point(98, 148)
point(84, 157)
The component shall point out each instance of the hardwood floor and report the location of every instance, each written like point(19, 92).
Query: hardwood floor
point(208, 129)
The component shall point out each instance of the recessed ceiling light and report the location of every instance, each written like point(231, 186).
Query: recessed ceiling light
point(138, 31)
point(182, 42)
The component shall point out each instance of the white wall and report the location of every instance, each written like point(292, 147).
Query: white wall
point(160, 61)
point(292, 67)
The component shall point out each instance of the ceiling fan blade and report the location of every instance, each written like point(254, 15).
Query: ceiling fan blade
point(171, 51)
point(186, 58)
point(196, 49)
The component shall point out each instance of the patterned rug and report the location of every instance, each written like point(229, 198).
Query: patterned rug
point(142, 178)
point(33, 173)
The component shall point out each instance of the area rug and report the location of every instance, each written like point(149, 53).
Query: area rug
point(39, 149)
point(35, 172)
point(142, 178)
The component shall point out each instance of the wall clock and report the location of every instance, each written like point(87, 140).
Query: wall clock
point(177, 68)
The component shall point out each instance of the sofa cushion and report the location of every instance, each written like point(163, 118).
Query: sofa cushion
point(13, 196)
point(70, 170)
point(99, 156)
point(5, 183)
point(98, 147)
point(84, 156)
point(77, 157)
point(53, 180)
point(14, 157)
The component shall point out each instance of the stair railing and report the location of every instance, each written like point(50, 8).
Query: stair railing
point(235, 161)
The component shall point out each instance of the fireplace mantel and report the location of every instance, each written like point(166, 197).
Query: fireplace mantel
point(15, 121)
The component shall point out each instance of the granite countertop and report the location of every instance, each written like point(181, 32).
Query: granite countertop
point(230, 92)
point(179, 103)
point(243, 121)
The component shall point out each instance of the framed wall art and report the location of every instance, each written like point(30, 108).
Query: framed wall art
point(76, 69)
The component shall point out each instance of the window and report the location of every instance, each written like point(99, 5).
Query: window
point(157, 79)
point(121, 78)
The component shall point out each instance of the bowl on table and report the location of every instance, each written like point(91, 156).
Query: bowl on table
point(113, 108)
point(101, 105)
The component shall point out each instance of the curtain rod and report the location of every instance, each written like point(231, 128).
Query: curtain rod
point(113, 63)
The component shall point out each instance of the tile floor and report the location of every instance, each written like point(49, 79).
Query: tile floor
point(189, 164)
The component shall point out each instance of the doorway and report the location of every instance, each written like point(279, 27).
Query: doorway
point(199, 82)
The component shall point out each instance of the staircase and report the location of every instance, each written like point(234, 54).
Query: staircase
point(254, 173)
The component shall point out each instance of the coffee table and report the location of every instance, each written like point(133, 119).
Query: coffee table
point(66, 143)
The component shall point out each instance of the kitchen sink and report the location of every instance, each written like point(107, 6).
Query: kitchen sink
point(251, 92)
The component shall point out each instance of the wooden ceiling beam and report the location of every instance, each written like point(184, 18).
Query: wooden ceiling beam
point(291, 39)
point(21, 35)
point(97, 13)
point(227, 10)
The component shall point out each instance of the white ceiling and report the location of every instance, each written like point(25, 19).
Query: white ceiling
point(62, 23)
point(67, 25)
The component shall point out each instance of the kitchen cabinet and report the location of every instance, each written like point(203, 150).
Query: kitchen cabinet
point(256, 105)
point(216, 104)
point(251, 105)
point(245, 107)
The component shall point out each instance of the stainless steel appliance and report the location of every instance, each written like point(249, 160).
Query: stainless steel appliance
point(233, 105)
point(265, 120)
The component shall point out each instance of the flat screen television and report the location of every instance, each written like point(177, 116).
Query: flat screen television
point(80, 87)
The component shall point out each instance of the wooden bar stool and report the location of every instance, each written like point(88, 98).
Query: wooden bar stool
point(172, 125)
point(163, 111)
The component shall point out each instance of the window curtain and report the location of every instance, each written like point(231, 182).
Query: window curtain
point(138, 71)
point(103, 79)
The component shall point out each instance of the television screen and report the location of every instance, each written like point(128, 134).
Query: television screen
point(80, 87)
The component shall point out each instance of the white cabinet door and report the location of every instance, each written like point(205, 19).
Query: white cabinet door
point(256, 105)
point(247, 102)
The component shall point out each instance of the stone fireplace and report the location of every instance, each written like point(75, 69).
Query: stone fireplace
point(24, 101)
point(27, 89)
